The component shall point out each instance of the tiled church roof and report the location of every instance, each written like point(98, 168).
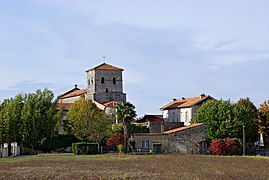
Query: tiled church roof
point(105, 66)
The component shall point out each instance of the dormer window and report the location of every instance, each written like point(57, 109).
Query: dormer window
point(102, 80)
point(114, 80)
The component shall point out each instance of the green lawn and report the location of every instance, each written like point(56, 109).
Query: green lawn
point(134, 167)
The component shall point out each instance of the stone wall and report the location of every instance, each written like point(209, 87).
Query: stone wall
point(109, 90)
point(189, 141)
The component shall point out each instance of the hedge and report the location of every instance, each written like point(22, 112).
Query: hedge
point(85, 148)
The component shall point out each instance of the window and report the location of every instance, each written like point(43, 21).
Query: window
point(173, 117)
point(106, 90)
point(186, 116)
point(145, 144)
point(114, 80)
point(102, 80)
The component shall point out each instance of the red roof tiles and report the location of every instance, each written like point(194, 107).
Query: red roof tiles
point(185, 102)
point(111, 104)
point(183, 128)
point(76, 92)
point(105, 66)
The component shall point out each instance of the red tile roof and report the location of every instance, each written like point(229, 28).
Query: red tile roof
point(111, 104)
point(105, 66)
point(183, 128)
point(76, 92)
point(185, 102)
point(152, 118)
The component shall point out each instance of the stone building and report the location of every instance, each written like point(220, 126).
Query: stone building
point(184, 140)
point(105, 84)
point(104, 88)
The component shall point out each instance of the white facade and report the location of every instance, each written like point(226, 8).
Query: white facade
point(178, 115)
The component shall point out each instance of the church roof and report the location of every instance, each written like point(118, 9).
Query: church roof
point(73, 92)
point(105, 66)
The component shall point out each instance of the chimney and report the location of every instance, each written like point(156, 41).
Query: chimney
point(76, 86)
point(174, 99)
point(183, 98)
point(202, 96)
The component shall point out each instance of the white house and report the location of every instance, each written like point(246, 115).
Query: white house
point(183, 110)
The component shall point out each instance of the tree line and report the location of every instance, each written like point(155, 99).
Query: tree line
point(29, 119)
point(225, 119)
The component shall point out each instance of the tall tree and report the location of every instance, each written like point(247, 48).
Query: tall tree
point(263, 119)
point(225, 119)
point(86, 121)
point(126, 113)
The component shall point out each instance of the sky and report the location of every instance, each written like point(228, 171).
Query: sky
point(168, 49)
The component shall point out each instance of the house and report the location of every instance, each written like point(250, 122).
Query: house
point(183, 110)
point(189, 139)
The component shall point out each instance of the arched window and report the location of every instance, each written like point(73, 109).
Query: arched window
point(106, 90)
point(102, 80)
point(114, 80)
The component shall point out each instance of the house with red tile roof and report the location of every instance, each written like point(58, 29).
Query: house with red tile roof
point(183, 110)
point(189, 139)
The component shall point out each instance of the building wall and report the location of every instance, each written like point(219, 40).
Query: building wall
point(183, 142)
point(107, 91)
point(178, 115)
point(186, 115)
point(69, 100)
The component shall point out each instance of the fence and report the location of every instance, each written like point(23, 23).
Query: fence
point(11, 150)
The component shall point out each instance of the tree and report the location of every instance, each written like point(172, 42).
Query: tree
point(86, 121)
point(39, 117)
point(28, 119)
point(126, 113)
point(225, 119)
point(263, 118)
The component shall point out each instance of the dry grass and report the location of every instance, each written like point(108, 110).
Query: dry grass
point(134, 167)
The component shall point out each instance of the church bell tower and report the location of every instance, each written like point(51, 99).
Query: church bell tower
point(105, 84)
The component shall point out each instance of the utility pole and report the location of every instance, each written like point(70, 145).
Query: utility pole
point(244, 141)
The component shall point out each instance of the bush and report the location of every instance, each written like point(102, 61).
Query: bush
point(63, 141)
point(224, 147)
point(85, 148)
point(115, 139)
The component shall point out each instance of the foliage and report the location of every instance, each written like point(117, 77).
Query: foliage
point(263, 119)
point(126, 113)
point(138, 129)
point(115, 139)
point(29, 119)
point(63, 141)
point(224, 147)
point(85, 148)
point(86, 122)
point(225, 119)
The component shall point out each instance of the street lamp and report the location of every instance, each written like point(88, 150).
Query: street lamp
point(244, 141)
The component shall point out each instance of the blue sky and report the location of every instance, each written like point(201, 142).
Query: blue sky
point(168, 49)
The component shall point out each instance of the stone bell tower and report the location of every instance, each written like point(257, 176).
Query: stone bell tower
point(105, 84)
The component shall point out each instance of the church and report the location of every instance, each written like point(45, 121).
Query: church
point(104, 88)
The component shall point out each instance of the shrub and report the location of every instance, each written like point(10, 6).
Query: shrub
point(85, 148)
point(224, 147)
point(115, 139)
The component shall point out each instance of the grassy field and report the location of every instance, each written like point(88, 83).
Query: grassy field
point(134, 167)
